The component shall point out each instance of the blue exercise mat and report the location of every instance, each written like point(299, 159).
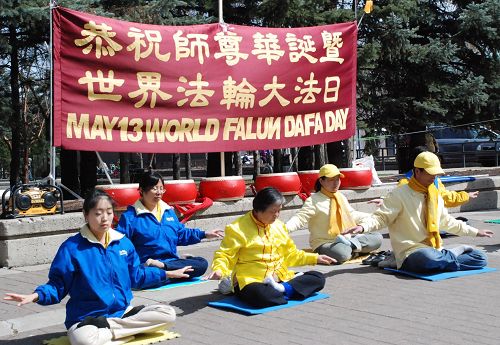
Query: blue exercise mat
point(449, 179)
point(192, 281)
point(444, 275)
point(234, 303)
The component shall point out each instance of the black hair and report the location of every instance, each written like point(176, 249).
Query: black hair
point(267, 197)
point(149, 179)
point(416, 151)
point(93, 197)
point(317, 184)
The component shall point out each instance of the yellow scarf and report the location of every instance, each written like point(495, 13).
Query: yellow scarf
point(158, 212)
point(340, 217)
point(107, 239)
point(431, 193)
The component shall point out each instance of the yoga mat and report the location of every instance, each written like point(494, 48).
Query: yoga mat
point(193, 281)
point(357, 260)
point(444, 275)
point(234, 303)
point(449, 179)
point(139, 339)
point(494, 221)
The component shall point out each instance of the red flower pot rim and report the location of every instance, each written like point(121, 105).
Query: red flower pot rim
point(278, 174)
point(355, 169)
point(118, 186)
point(222, 178)
point(308, 172)
point(178, 181)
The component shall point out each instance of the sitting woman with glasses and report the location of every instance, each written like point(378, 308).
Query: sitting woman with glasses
point(155, 231)
point(257, 251)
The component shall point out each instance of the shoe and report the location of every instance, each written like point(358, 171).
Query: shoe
point(375, 258)
point(388, 262)
point(225, 287)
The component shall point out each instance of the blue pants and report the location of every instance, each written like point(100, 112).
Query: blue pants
point(198, 264)
point(428, 260)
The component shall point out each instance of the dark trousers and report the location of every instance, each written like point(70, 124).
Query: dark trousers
point(261, 295)
point(430, 260)
point(198, 264)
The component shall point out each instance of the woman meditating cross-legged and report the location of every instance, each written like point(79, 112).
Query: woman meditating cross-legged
point(256, 252)
point(97, 268)
point(155, 231)
point(327, 214)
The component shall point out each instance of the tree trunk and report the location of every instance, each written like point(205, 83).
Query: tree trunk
point(294, 159)
point(319, 156)
point(26, 165)
point(406, 148)
point(256, 164)
point(335, 153)
point(277, 166)
point(306, 158)
point(349, 152)
point(124, 164)
point(187, 166)
point(69, 172)
point(237, 163)
point(88, 172)
point(213, 164)
point(15, 117)
point(176, 166)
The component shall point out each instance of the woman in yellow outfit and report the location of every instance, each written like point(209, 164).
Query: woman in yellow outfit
point(256, 252)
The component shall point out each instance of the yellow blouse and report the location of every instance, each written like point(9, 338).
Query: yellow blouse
point(250, 253)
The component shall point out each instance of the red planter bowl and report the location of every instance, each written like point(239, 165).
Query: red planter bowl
point(123, 194)
point(308, 180)
point(224, 188)
point(287, 183)
point(356, 178)
point(179, 192)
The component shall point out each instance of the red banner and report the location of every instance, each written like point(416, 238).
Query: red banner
point(130, 87)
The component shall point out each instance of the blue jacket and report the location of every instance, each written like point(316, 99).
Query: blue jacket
point(153, 239)
point(98, 280)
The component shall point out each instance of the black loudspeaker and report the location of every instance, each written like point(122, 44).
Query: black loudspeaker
point(33, 199)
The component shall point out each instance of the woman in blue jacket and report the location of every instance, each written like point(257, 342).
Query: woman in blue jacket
point(97, 268)
point(155, 231)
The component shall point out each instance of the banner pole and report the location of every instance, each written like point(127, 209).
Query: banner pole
point(52, 152)
point(356, 10)
point(222, 156)
point(221, 17)
point(222, 164)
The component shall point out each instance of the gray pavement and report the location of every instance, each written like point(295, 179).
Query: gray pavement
point(366, 306)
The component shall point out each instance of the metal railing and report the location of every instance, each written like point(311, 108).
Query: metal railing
point(452, 155)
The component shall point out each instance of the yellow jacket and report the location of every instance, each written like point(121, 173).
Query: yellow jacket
point(250, 254)
point(403, 214)
point(450, 198)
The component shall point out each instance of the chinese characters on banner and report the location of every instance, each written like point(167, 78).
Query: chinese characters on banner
point(129, 87)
